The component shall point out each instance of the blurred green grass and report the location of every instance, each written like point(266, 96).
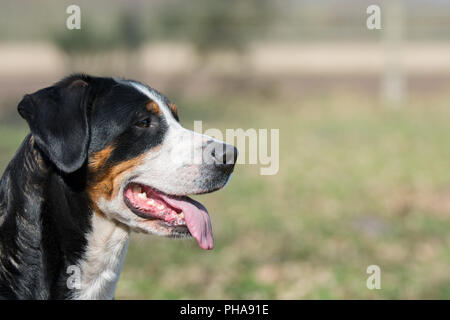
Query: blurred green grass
point(359, 184)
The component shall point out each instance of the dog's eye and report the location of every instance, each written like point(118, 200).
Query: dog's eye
point(145, 123)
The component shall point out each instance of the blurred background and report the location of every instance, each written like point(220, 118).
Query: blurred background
point(363, 115)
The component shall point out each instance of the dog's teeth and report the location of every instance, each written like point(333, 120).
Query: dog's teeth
point(181, 215)
point(142, 195)
point(161, 206)
point(151, 201)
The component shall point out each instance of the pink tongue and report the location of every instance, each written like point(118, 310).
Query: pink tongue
point(197, 220)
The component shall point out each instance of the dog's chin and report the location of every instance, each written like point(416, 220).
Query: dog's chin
point(160, 228)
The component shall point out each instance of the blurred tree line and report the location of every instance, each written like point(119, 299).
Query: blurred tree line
point(218, 25)
point(208, 25)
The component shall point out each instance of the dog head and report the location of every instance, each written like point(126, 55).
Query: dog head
point(141, 163)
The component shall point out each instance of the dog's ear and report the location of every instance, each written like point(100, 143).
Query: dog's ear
point(58, 120)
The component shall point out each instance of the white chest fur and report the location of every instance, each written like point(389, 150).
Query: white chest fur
point(105, 253)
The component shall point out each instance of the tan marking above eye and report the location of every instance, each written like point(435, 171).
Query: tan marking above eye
point(174, 108)
point(153, 107)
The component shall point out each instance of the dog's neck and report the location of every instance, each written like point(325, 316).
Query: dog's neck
point(48, 232)
point(21, 234)
point(103, 259)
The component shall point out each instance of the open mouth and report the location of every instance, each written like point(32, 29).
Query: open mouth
point(174, 211)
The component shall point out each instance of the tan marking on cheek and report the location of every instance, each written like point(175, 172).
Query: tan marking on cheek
point(107, 184)
point(154, 108)
point(98, 160)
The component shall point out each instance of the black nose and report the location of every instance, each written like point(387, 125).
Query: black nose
point(224, 156)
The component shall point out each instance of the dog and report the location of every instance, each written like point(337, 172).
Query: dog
point(105, 157)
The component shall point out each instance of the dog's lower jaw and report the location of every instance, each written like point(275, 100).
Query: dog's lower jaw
point(103, 259)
